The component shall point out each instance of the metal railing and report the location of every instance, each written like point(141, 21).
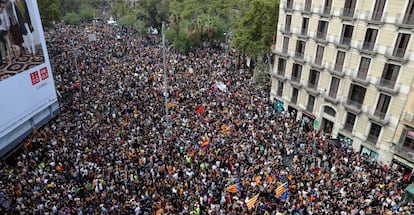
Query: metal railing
point(372, 138)
point(321, 35)
point(368, 46)
point(354, 104)
point(386, 83)
point(346, 41)
point(299, 55)
point(348, 12)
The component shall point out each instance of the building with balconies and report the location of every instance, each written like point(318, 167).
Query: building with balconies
point(345, 67)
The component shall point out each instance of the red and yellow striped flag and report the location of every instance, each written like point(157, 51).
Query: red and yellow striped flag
point(250, 203)
point(280, 190)
point(233, 188)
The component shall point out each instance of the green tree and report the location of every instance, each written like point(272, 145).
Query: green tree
point(152, 12)
point(49, 11)
point(71, 18)
point(87, 12)
point(254, 28)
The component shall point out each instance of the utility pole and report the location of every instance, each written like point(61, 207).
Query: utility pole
point(167, 120)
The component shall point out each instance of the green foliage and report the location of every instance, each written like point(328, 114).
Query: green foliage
point(180, 38)
point(254, 28)
point(152, 12)
point(126, 20)
point(71, 18)
point(260, 74)
point(87, 12)
point(49, 11)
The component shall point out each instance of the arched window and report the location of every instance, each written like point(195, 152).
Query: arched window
point(329, 111)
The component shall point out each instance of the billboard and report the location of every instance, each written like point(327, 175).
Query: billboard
point(27, 91)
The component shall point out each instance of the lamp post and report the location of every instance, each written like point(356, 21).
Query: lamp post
point(167, 122)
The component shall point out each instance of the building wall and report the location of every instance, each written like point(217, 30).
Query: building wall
point(388, 29)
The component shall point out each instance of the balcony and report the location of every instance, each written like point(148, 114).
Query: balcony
point(316, 63)
point(288, 6)
point(306, 8)
point(405, 152)
point(279, 75)
point(368, 48)
point(326, 11)
point(299, 57)
point(303, 33)
point(285, 29)
point(387, 86)
point(408, 117)
point(360, 77)
point(294, 100)
point(343, 42)
point(309, 108)
point(336, 70)
point(348, 128)
point(295, 81)
point(331, 97)
point(404, 21)
point(348, 14)
point(378, 116)
point(372, 139)
point(375, 17)
point(353, 106)
point(321, 37)
point(397, 54)
point(284, 52)
point(312, 88)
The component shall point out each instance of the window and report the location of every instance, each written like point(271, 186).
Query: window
point(327, 7)
point(378, 9)
point(370, 38)
point(333, 90)
point(319, 55)
point(339, 63)
point(382, 106)
point(288, 22)
point(313, 79)
point(289, 4)
point(300, 49)
point(285, 44)
point(347, 31)
point(409, 13)
point(374, 133)
point(356, 95)
point(349, 8)
point(296, 72)
point(280, 86)
point(350, 121)
point(401, 45)
point(363, 68)
point(329, 110)
point(389, 75)
point(305, 25)
point(308, 5)
point(295, 93)
point(322, 30)
point(311, 103)
point(407, 139)
point(281, 66)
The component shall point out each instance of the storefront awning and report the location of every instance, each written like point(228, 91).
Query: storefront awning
point(410, 189)
point(405, 162)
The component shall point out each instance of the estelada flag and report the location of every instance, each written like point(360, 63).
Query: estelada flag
point(281, 190)
point(199, 110)
point(205, 143)
point(250, 203)
point(233, 188)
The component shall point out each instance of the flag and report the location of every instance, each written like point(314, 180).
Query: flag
point(205, 143)
point(281, 190)
point(172, 104)
point(199, 110)
point(233, 188)
point(225, 128)
point(250, 203)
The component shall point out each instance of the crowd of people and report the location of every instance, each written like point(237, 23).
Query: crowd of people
point(111, 149)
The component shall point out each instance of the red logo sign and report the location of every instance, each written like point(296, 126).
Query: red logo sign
point(43, 73)
point(34, 76)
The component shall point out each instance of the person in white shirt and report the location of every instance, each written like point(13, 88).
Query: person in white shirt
point(4, 29)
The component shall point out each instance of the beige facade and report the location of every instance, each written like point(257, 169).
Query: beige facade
point(346, 67)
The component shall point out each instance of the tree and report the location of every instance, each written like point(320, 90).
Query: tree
point(152, 12)
point(71, 18)
point(253, 30)
point(87, 12)
point(49, 11)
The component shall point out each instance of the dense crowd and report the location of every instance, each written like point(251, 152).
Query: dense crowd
point(108, 150)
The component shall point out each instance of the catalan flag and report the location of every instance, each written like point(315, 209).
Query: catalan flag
point(205, 143)
point(172, 104)
point(250, 203)
point(281, 190)
point(234, 188)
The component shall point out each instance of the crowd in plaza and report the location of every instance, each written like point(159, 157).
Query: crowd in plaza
point(108, 151)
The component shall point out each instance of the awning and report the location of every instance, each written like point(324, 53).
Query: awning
point(309, 115)
point(410, 189)
point(403, 161)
